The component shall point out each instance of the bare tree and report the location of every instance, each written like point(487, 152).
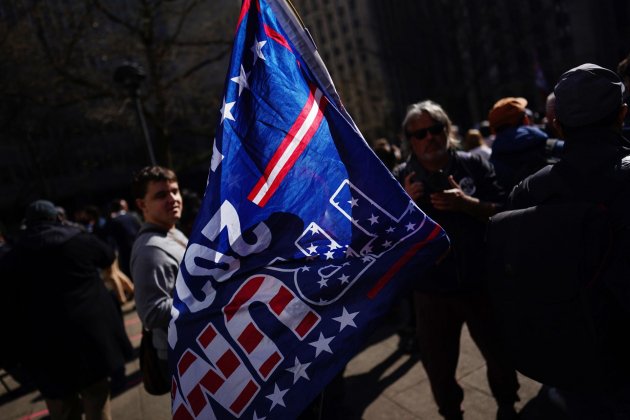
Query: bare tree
point(62, 55)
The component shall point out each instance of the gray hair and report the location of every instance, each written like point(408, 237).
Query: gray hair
point(436, 112)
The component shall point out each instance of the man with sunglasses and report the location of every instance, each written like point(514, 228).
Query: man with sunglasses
point(459, 191)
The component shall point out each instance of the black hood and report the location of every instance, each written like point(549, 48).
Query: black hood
point(46, 234)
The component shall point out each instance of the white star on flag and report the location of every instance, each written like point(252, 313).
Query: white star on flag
point(329, 255)
point(410, 226)
point(387, 244)
point(312, 249)
point(322, 344)
point(241, 81)
point(299, 370)
point(276, 397)
point(373, 219)
point(226, 111)
point(322, 282)
point(257, 49)
point(353, 202)
point(344, 279)
point(346, 319)
point(390, 230)
point(314, 229)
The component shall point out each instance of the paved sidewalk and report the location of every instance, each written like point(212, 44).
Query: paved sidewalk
point(380, 383)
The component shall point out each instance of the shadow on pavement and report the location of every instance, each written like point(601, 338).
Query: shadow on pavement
point(347, 398)
point(362, 390)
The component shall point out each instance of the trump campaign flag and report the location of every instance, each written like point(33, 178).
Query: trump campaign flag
point(304, 238)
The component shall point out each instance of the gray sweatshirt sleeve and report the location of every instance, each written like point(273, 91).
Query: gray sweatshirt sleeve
point(154, 273)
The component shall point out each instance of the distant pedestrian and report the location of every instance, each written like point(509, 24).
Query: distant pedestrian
point(121, 229)
point(518, 149)
point(387, 152)
point(59, 321)
point(474, 143)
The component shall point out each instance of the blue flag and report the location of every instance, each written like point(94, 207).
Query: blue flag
point(304, 239)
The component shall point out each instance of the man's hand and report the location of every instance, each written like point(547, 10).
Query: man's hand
point(453, 199)
point(414, 188)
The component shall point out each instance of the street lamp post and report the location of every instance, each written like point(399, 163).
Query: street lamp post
point(129, 76)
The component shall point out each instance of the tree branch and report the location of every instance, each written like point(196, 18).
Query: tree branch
point(116, 19)
point(196, 68)
point(180, 24)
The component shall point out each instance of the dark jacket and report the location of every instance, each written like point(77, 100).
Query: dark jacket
point(463, 269)
point(596, 168)
point(121, 232)
point(598, 172)
point(62, 323)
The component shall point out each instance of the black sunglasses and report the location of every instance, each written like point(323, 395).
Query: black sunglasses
point(421, 134)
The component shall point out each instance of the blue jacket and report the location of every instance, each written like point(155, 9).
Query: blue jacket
point(516, 153)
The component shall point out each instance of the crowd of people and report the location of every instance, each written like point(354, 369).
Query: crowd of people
point(462, 182)
point(69, 277)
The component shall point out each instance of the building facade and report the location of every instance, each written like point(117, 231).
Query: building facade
point(464, 54)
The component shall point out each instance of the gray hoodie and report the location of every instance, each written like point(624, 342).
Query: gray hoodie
point(155, 259)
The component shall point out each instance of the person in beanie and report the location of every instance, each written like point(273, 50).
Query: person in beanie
point(595, 168)
point(64, 329)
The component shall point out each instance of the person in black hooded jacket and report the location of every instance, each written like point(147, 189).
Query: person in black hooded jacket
point(62, 324)
point(595, 168)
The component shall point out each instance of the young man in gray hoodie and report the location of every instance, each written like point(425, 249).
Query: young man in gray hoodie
point(157, 252)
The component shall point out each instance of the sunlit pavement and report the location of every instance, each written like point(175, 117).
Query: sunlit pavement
point(381, 382)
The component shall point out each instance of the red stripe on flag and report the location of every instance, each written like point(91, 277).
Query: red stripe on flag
point(284, 144)
point(294, 155)
point(280, 300)
point(307, 323)
point(248, 290)
point(269, 364)
point(250, 338)
point(187, 359)
point(276, 36)
point(182, 414)
point(400, 263)
point(297, 153)
point(244, 10)
point(228, 363)
point(206, 337)
point(212, 381)
point(244, 397)
point(196, 400)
